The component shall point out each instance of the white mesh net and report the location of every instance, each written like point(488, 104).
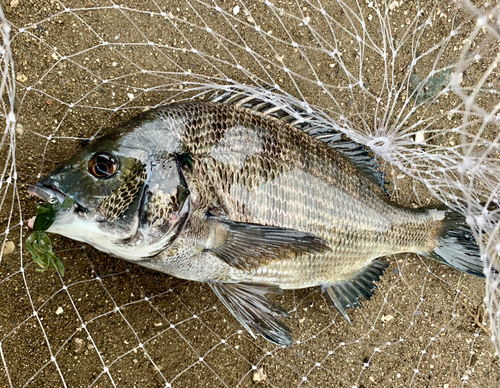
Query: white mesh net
point(417, 82)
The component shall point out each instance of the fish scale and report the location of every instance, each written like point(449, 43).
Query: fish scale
point(232, 194)
point(304, 163)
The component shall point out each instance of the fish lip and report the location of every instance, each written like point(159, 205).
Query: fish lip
point(50, 194)
point(46, 193)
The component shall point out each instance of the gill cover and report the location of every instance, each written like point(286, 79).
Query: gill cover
point(166, 208)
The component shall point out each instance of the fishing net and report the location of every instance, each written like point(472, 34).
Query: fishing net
point(417, 81)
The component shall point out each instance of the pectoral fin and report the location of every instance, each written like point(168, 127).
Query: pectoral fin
point(244, 245)
point(248, 304)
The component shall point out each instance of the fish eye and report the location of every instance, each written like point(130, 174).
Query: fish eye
point(103, 165)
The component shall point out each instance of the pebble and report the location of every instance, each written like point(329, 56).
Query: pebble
point(250, 19)
point(236, 10)
point(394, 5)
point(59, 310)
point(9, 248)
point(19, 129)
point(14, 3)
point(387, 318)
point(259, 375)
point(419, 137)
point(78, 345)
point(21, 78)
point(89, 316)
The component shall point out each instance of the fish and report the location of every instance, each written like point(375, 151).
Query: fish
point(252, 198)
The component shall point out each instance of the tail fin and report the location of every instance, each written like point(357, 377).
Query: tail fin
point(457, 246)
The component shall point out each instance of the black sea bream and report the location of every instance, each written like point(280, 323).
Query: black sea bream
point(234, 193)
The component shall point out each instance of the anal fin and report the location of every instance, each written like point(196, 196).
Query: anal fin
point(347, 294)
point(248, 304)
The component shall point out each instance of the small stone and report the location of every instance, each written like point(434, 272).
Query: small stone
point(419, 137)
point(250, 19)
point(393, 5)
point(59, 310)
point(14, 3)
point(158, 324)
point(387, 318)
point(89, 316)
point(78, 345)
point(90, 346)
point(19, 129)
point(49, 102)
point(9, 248)
point(236, 10)
point(259, 375)
point(301, 320)
point(371, 379)
point(21, 78)
point(446, 386)
point(55, 56)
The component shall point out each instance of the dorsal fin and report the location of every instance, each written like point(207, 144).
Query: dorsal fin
point(269, 103)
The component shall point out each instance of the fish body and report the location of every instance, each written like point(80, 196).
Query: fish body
point(245, 200)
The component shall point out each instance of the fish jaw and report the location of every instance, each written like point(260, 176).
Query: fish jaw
point(75, 222)
point(46, 193)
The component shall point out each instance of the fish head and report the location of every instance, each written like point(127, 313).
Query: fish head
point(127, 202)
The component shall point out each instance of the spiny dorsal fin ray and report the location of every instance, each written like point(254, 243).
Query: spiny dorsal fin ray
point(348, 293)
point(266, 102)
point(248, 304)
point(245, 246)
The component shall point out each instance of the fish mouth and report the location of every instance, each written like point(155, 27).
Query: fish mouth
point(51, 194)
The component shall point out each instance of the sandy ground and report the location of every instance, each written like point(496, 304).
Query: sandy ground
point(110, 323)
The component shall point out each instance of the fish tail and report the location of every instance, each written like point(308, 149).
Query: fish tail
point(457, 246)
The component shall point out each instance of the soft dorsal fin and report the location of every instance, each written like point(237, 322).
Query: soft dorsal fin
point(348, 293)
point(268, 103)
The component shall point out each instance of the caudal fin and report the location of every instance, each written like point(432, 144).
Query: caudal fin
point(457, 246)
